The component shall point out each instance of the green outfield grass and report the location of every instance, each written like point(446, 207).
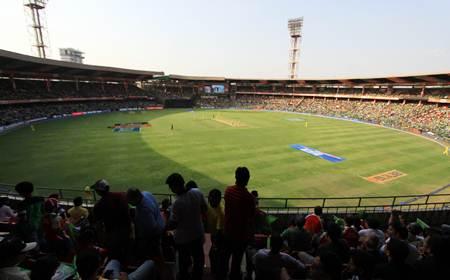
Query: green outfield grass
point(73, 153)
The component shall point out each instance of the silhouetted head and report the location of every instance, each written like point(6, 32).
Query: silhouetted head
point(165, 203)
point(101, 187)
point(300, 221)
point(372, 242)
point(88, 264)
point(176, 183)
point(134, 196)
point(24, 189)
point(397, 250)
point(318, 210)
point(398, 230)
point(242, 176)
point(214, 198)
point(334, 231)
point(373, 223)
point(51, 205)
point(78, 201)
point(256, 196)
point(44, 268)
point(191, 185)
point(276, 244)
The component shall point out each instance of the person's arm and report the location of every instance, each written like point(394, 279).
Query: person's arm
point(291, 263)
point(173, 218)
point(10, 213)
point(220, 218)
point(203, 205)
point(85, 213)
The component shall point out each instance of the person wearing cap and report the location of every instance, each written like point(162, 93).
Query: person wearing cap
point(186, 220)
point(112, 212)
point(12, 253)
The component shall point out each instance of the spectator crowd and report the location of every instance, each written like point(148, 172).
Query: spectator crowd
point(130, 235)
point(22, 89)
point(10, 114)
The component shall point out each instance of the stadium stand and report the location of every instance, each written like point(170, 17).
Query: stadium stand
point(421, 118)
point(41, 238)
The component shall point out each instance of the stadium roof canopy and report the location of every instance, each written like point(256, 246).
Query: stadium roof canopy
point(431, 79)
point(20, 65)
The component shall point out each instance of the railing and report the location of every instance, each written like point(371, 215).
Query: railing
point(339, 205)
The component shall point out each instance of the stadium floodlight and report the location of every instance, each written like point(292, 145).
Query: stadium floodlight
point(295, 32)
point(34, 11)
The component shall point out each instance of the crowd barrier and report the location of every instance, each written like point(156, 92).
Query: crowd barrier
point(289, 205)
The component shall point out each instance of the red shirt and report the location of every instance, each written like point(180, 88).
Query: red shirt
point(239, 213)
point(313, 224)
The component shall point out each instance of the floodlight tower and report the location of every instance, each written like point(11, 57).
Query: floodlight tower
point(35, 10)
point(295, 32)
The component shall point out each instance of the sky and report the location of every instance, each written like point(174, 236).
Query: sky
point(244, 38)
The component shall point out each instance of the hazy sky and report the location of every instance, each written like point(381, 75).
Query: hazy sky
point(245, 38)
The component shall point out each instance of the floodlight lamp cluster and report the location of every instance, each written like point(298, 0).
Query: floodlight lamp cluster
point(295, 26)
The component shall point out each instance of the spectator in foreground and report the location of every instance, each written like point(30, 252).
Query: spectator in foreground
point(112, 213)
point(240, 211)
point(186, 220)
point(373, 227)
point(400, 232)
point(149, 224)
point(214, 226)
point(12, 253)
point(89, 263)
point(360, 266)
point(44, 268)
point(350, 233)
point(313, 222)
point(262, 230)
point(191, 185)
point(33, 208)
point(6, 213)
point(165, 209)
point(53, 226)
point(23, 229)
point(168, 250)
point(369, 244)
point(335, 243)
point(327, 266)
point(297, 238)
point(397, 252)
point(269, 263)
point(77, 213)
point(436, 258)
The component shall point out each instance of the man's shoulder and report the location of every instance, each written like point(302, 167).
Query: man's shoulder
point(195, 192)
point(230, 189)
point(312, 218)
point(147, 194)
point(242, 192)
point(262, 253)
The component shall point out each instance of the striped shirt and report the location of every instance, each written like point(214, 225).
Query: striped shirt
point(239, 213)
